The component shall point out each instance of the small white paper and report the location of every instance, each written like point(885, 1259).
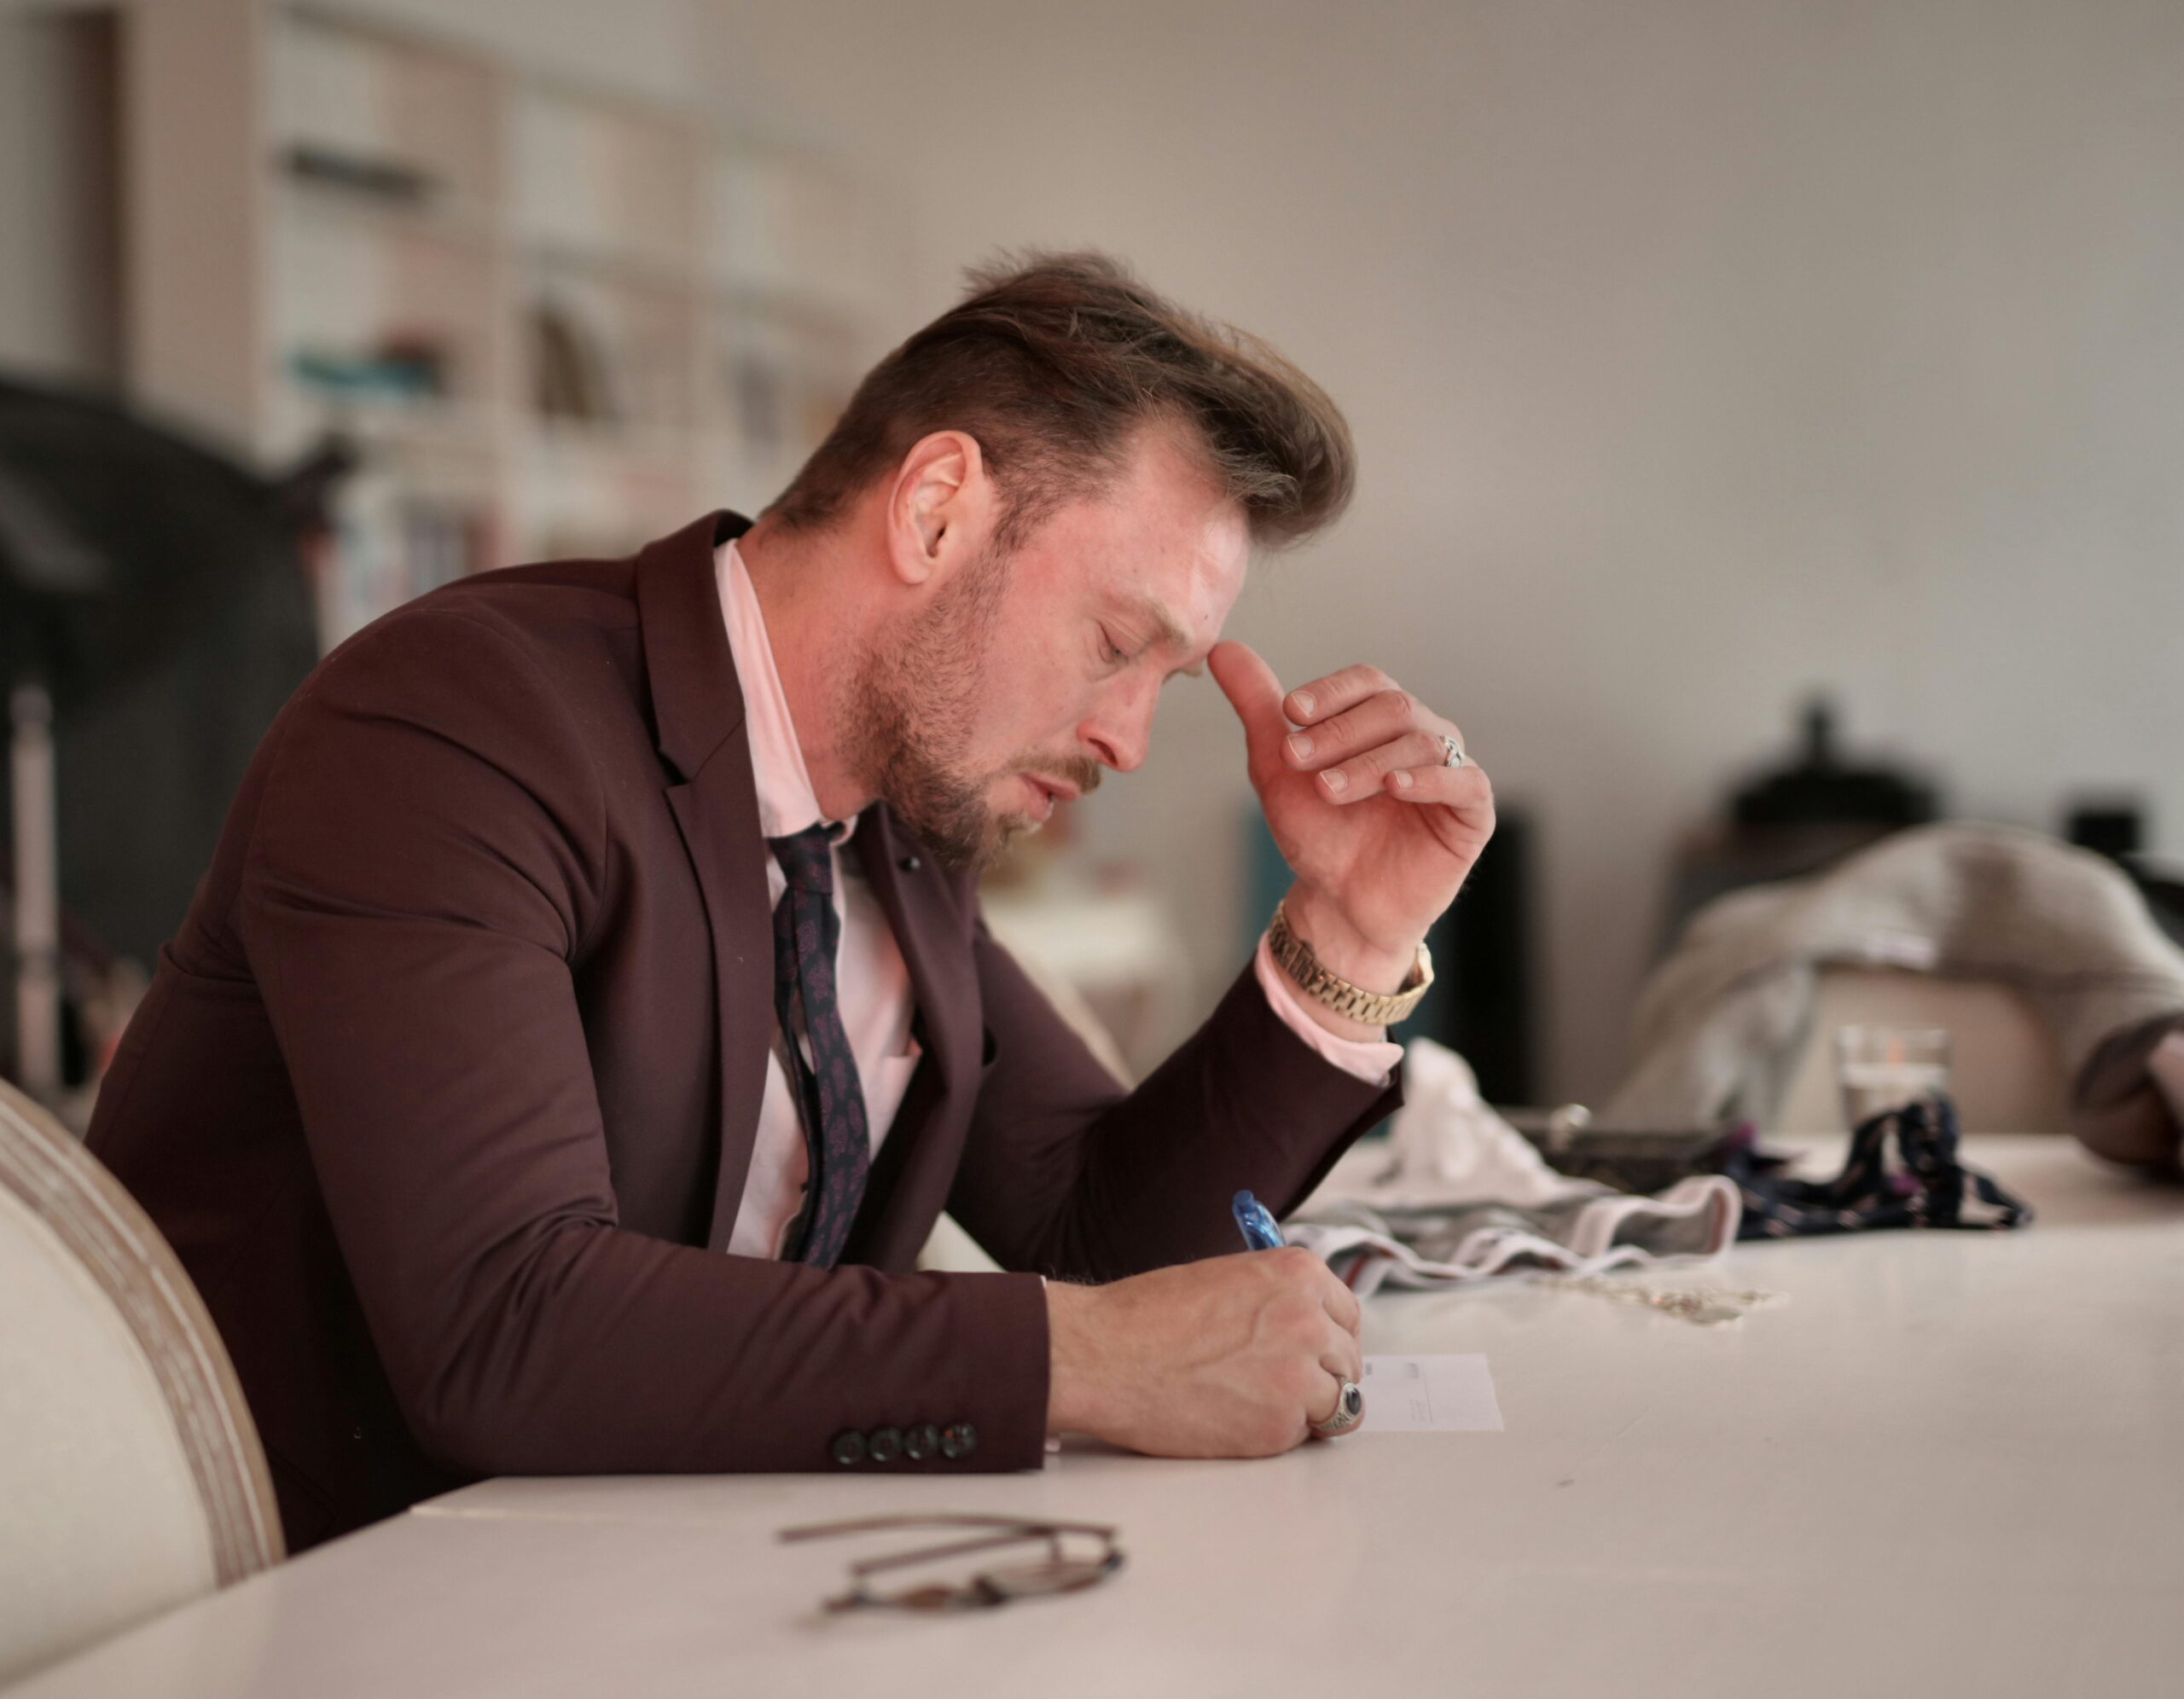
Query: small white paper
point(1428, 1396)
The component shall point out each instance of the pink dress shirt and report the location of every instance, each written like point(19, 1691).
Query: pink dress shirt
point(874, 981)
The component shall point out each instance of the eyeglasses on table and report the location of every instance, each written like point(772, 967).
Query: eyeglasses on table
point(1076, 1556)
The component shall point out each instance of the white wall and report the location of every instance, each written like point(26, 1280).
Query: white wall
point(1698, 352)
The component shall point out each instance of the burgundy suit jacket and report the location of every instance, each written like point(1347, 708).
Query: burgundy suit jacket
point(446, 1091)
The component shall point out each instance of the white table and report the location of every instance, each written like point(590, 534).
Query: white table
point(1948, 1463)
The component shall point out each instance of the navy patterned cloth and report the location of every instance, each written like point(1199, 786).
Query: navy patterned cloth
point(1929, 1187)
point(829, 1100)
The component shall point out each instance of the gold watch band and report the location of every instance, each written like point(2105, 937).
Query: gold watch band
point(1370, 1008)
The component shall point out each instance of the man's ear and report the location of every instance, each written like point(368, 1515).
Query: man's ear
point(940, 509)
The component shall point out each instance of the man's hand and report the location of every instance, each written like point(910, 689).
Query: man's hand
point(1379, 830)
point(1236, 1356)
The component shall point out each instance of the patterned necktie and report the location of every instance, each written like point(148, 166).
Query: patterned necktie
point(828, 1097)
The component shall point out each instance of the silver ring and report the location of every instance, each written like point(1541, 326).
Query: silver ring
point(1455, 751)
point(1349, 1411)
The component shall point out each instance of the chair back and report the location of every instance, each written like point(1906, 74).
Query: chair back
point(131, 1477)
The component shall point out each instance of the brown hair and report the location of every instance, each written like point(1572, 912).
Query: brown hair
point(1053, 362)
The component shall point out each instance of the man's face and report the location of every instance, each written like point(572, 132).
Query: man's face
point(1029, 673)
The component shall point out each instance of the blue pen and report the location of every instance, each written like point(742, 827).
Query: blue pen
point(1261, 1231)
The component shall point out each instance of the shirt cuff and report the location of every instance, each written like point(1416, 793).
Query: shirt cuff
point(1359, 1058)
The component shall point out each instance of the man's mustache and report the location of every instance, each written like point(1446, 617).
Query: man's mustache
point(1079, 771)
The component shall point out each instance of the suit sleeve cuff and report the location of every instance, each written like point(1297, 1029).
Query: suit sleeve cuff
point(1360, 1058)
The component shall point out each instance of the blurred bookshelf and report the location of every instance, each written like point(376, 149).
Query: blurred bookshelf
point(551, 320)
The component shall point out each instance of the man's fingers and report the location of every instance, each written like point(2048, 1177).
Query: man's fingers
point(1463, 814)
point(1342, 1357)
point(1381, 718)
point(1255, 693)
point(1323, 698)
point(1357, 780)
point(1326, 1404)
point(1341, 1303)
point(1465, 789)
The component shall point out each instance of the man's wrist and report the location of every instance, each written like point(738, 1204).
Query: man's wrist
point(1342, 951)
point(1072, 1359)
point(1362, 1052)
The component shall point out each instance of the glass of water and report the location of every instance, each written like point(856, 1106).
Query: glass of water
point(1882, 1067)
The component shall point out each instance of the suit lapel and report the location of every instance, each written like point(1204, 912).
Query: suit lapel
point(916, 1163)
point(697, 704)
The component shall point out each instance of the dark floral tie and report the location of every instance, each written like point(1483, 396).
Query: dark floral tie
point(828, 1097)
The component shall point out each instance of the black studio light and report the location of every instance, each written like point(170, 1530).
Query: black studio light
point(154, 611)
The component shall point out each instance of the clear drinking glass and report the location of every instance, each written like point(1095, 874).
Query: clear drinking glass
point(1882, 1067)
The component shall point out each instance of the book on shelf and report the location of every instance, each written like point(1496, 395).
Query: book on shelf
point(391, 545)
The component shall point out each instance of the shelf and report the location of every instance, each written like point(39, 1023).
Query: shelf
point(548, 314)
point(783, 224)
point(597, 176)
point(381, 102)
point(424, 429)
point(431, 220)
point(787, 304)
point(620, 268)
point(618, 448)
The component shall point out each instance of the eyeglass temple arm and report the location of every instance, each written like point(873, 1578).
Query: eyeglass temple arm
point(897, 1560)
point(879, 1524)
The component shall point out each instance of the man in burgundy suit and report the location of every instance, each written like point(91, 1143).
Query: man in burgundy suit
point(587, 1013)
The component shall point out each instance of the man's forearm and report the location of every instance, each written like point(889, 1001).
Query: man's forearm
point(1245, 1101)
point(614, 1353)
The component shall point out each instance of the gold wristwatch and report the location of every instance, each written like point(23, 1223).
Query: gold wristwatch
point(1371, 1008)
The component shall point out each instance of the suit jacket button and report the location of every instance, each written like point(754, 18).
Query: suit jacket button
point(921, 1442)
point(848, 1447)
point(958, 1439)
point(883, 1444)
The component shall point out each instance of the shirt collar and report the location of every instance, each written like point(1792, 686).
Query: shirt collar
point(787, 804)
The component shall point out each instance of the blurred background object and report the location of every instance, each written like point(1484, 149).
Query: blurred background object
point(1097, 939)
point(1794, 818)
point(154, 614)
point(2005, 1075)
point(2037, 966)
point(2115, 825)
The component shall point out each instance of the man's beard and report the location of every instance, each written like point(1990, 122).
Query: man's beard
point(911, 709)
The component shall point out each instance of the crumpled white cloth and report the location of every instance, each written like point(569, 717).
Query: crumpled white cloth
point(1721, 1024)
point(1459, 1196)
point(1446, 1145)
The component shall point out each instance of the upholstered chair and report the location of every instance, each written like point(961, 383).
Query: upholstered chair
point(131, 1478)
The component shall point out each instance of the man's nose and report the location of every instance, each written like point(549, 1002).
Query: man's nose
point(1121, 731)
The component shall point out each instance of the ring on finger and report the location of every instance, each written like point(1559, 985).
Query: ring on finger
point(1349, 1410)
point(1452, 752)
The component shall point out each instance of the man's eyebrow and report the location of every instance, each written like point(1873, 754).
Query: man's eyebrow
point(1173, 632)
